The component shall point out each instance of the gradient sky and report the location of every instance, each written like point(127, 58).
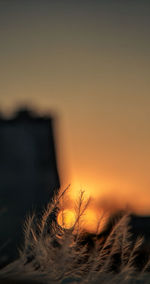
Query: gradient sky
point(86, 62)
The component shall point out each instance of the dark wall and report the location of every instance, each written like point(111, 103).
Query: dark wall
point(28, 174)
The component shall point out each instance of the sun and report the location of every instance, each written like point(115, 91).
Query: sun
point(66, 218)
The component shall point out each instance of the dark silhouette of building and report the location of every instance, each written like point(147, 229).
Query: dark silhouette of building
point(28, 174)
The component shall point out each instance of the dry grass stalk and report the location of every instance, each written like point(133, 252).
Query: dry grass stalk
point(52, 254)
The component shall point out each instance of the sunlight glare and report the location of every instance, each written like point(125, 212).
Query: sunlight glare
point(89, 220)
point(66, 218)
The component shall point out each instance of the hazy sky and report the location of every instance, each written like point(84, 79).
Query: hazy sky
point(88, 63)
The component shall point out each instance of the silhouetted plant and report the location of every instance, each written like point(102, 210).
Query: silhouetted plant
point(52, 254)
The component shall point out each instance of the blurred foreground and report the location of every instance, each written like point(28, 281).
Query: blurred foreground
point(52, 254)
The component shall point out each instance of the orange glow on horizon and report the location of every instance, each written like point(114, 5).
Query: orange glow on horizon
point(106, 198)
point(112, 195)
point(90, 221)
point(93, 218)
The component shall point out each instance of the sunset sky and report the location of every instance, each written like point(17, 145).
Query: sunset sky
point(88, 64)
